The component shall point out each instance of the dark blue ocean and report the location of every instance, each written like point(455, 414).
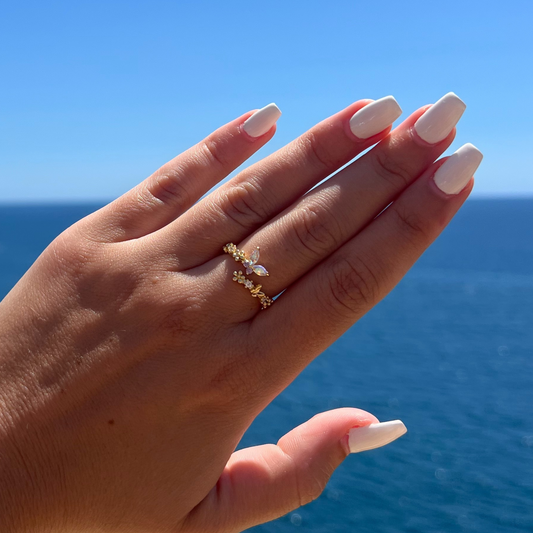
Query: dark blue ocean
point(449, 351)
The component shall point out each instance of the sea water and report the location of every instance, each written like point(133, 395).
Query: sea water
point(449, 352)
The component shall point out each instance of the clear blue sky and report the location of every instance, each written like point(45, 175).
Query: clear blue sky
point(96, 95)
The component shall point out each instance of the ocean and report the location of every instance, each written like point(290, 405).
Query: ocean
point(449, 352)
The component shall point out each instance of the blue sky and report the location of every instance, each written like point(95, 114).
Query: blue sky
point(95, 96)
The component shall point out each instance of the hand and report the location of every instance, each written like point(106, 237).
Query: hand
point(131, 363)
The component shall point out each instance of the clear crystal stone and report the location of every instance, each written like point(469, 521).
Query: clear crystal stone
point(260, 270)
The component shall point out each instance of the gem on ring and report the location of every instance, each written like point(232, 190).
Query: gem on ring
point(250, 264)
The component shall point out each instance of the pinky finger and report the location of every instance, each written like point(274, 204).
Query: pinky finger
point(178, 184)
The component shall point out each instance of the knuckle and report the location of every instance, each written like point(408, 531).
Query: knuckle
point(108, 292)
point(315, 230)
point(211, 150)
point(312, 485)
point(246, 205)
point(352, 287)
point(391, 170)
point(317, 152)
point(307, 482)
point(102, 285)
point(168, 186)
point(72, 254)
point(411, 224)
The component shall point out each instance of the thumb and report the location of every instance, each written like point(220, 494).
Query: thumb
point(265, 482)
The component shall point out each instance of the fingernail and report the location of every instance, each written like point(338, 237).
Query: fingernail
point(261, 121)
point(375, 435)
point(452, 176)
point(375, 117)
point(439, 120)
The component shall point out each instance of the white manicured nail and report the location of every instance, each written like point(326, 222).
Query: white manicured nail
point(375, 435)
point(439, 120)
point(261, 121)
point(375, 117)
point(452, 176)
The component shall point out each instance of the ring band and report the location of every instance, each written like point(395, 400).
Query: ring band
point(251, 268)
point(255, 290)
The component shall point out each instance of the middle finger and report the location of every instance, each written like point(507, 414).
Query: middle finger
point(329, 215)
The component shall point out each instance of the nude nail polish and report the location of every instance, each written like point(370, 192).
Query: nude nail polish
point(440, 119)
point(262, 120)
point(453, 175)
point(375, 117)
point(375, 435)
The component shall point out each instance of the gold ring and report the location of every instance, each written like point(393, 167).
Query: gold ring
point(255, 290)
point(251, 267)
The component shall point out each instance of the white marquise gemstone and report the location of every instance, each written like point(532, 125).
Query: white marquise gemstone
point(260, 270)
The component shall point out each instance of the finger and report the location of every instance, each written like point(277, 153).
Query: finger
point(261, 191)
point(178, 184)
point(327, 217)
point(265, 482)
point(321, 306)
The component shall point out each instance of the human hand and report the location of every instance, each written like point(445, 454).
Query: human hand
point(131, 363)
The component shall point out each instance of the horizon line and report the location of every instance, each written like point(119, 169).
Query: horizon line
point(102, 202)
